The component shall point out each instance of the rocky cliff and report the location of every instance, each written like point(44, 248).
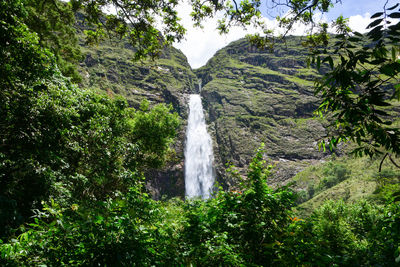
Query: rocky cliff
point(253, 96)
point(250, 96)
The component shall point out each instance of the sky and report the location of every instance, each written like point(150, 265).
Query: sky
point(201, 44)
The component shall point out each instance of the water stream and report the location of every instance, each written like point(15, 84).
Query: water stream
point(199, 175)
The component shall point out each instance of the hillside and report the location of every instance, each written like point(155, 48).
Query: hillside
point(250, 96)
point(254, 96)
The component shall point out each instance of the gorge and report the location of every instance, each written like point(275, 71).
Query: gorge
point(249, 96)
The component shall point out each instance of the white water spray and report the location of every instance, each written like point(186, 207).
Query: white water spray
point(199, 176)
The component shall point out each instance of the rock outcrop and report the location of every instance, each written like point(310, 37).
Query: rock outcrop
point(253, 96)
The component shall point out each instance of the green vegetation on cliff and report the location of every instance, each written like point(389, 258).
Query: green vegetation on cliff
point(109, 67)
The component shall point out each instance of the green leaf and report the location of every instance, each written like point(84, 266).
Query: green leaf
point(395, 15)
point(354, 39)
point(378, 14)
point(99, 219)
point(393, 7)
point(390, 69)
point(374, 23)
point(376, 33)
point(358, 34)
point(330, 61)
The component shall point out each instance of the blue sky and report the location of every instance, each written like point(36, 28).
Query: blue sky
point(347, 8)
point(358, 7)
point(201, 44)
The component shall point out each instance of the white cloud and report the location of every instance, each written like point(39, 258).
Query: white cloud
point(359, 23)
point(201, 44)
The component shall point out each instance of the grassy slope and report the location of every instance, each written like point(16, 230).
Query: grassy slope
point(362, 180)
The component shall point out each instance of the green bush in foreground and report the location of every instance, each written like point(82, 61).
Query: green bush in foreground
point(239, 227)
point(343, 234)
point(252, 227)
point(234, 228)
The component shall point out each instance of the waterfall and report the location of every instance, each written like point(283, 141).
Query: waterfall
point(199, 175)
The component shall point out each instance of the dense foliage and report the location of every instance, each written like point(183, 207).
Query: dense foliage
point(233, 228)
point(359, 89)
point(61, 141)
point(342, 234)
point(53, 21)
point(252, 227)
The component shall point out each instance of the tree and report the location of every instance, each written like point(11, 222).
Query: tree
point(361, 87)
point(135, 21)
point(54, 23)
point(57, 140)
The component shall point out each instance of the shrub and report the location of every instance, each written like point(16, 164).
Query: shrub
point(343, 234)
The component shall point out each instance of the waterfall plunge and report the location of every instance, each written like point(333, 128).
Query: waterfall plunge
point(199, 175)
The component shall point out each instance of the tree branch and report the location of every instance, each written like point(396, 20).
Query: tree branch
point(380, 165)
point(394, 163)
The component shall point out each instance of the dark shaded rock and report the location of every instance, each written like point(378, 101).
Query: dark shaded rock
point(144, 71)
point(90, 61)
point(168, 182)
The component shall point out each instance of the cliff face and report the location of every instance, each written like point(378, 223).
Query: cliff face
point(169, 79)
point(249, 96)
point(254, 96)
